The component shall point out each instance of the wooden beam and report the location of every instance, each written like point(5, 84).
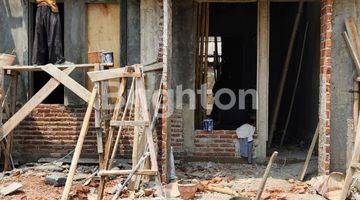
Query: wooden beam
point(32, 68)
point(79, 145)
point(153, 67)
point(111, 74)
point(67, 82)
point(126, 172)
point(129, 123)
point(39, 97)
point(262, 77)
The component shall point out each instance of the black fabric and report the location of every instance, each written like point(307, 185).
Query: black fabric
point(47, 39)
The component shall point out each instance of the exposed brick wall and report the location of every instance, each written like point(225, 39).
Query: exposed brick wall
point(177, 136)
point(52, 130)
point(325, 81)
point(218, 143)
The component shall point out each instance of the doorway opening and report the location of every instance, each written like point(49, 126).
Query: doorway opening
point(39, 79)
point(231, 65)
point(298, 113)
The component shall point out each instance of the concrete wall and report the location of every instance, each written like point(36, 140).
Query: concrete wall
point(151, 42)
point(342, 81)
point(13, 32)
point(183, 63)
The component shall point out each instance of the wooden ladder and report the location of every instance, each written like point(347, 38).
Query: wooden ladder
point(143, 143)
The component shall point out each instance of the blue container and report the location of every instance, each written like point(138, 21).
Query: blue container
point(208, 125)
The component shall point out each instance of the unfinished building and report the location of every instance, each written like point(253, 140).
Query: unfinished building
point(290, 52)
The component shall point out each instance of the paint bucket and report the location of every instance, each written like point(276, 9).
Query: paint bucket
point(6, 59)
point(208, 125)
point(107, 57)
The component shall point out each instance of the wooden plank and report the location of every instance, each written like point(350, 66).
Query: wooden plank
point(353, 52)
point(262, 77)
point(309, 154)
point(126, 172)
point(103, 28)
point(153, 67)
point(32, 68)
point(67, 81)
point(265, 177)
point(111, 74)
point(79, 145)
point(103, 33)
point(129, 123)
point(40, 96)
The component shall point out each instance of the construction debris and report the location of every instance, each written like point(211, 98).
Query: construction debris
point(56, 179)
point(10, 188)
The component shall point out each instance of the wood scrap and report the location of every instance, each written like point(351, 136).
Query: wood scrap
point(9, 189)
point(266, 175)
point(221, 190)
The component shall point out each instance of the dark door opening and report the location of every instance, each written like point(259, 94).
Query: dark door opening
point(303, 117)
point(232, 63)
point(39, 79)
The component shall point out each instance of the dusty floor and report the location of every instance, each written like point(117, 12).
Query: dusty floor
point(242, 178)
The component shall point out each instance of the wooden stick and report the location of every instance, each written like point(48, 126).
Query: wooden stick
point(285, 72)
point(113, 154)
point(295, 86)
point(309, 154)
point(354, 159)
point(265, 177)
point(79, 145)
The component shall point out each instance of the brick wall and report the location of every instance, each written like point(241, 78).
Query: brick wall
point(325, 81)
point(52, 130)
point(218, 143)
point(177, 136)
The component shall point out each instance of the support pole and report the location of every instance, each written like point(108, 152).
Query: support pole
point(285, 72)
point(79, 145)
